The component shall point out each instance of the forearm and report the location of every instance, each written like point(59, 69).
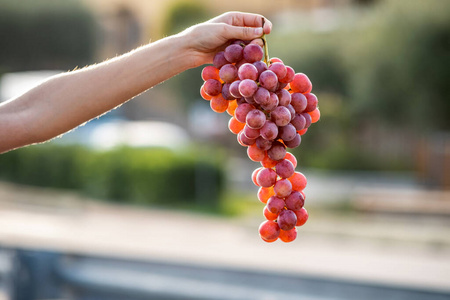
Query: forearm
point(65, 101)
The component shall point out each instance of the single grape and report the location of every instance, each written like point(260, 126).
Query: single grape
point(299, 102)
point(287, 219)
point(308, 119)
point(219, 60)
point(298, 181)
point(269, 231)
point(269, 80)
point(274, 60)
point(247, 87)
point(266, 177)
point(219, 104)
point(282, 188)
point(255, 119)
point(247, 71)
point(265, 193)
point(298, 121)
point(312, 102)
point(254, 174)
point(228, 73)
point(269, 215)
point(213, 87)
point(277, 151)
point(301, 84)
point(232, 107)
point(267, 162)
point(253, 53)
point(235, 126)
point(302, 216)
point(226, 92)
point(288, 236)
point(261, 66)
point(251, 133)
point(262, 96)
point(269, 131)
point(291, 110)
point(210, 72)
point(233, 53)
point(255, 154)
point(263, 144)
point(295, 142)
point(275, 204)
point(284, 97)
point(315, 115)
point(295, 201)
point(287, 133)
point(281, 116)
point(234, 89)
point(204, 94)
point(285, 168)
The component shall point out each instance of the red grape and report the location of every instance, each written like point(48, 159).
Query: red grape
point(269, 231)
point(287, 219)
point(266, 177)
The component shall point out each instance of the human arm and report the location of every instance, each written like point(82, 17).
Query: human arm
point(65, 101)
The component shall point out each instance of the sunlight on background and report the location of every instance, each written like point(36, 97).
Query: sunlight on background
point(161, 185)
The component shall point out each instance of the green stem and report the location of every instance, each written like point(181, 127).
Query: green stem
point(266, 47)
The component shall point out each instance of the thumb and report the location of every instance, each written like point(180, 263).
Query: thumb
point(243, 33)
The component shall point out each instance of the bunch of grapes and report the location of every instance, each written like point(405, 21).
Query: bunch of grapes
point(271, 107)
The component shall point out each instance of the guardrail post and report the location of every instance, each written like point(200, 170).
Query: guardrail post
point(33, 275)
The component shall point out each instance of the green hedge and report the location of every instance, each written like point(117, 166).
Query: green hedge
point(143, 176)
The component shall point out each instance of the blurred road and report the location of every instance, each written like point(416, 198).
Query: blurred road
point(388, 250)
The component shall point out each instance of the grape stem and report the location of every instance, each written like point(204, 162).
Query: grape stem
point(266, 48)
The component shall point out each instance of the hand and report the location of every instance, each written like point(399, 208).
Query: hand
point(206, 39)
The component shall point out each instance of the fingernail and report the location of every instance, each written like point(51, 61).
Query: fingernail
point(259, 31)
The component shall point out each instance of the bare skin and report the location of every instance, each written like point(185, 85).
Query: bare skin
point(65, 101)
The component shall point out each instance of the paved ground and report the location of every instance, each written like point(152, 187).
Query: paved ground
point(390, 250)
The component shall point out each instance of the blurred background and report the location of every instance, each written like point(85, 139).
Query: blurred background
point(154, 200)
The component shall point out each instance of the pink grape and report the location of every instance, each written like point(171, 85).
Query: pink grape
point(279, 69)
point(219, 60)
point(301, 84)
point(269, 131)
point(269, 80)
point(251, 101)
point(266, 177)
point(243, 140)
point(234, 89)
point(282, 188)
point(281, 116)
point(255, 119)
point(287, 219)
point(307, 119)
point(312, 102)
point(284, 168)
point(248, 71)
point(272, 103)
point(269, 231)
point(284, 97)
point(275, 204)
point(233, 53)
point(250, 132)
point(295, 142)
point(242, 110)
point(261, 66)
point(287, 133)
point(302, 216)
point(213, 87)
point(263, 144)
point(290, 73)
point(277, 151)
point(261, 96)
point(226, 92)
point(247, 88)
point(295, 201)
point(253, 53)
point(299, 121)
point(228, 73)
point(291, 110)
point(299, 102)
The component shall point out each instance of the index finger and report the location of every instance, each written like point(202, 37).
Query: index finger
point(245, 19)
